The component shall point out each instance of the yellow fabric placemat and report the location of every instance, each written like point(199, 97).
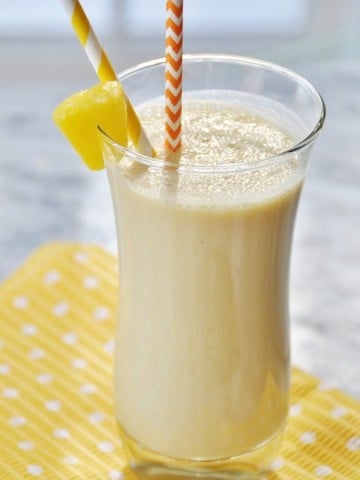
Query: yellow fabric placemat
point(56, 410)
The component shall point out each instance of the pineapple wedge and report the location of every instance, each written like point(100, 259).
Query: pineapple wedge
point(79, 115)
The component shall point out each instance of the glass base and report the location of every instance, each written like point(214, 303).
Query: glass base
point(252, 465)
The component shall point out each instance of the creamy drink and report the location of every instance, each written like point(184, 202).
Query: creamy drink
point(202, 352)
point(204, 238)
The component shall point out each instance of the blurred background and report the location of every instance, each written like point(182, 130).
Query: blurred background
point(46, 194)
point(286, 30)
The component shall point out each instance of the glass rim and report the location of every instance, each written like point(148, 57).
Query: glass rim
point(222, 167)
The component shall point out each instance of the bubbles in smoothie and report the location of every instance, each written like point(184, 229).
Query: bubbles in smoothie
point(216, 133)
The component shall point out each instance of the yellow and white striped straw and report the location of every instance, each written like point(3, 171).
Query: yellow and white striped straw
point(104, 70)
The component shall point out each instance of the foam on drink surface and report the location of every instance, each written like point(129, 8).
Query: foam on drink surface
point(215, 134)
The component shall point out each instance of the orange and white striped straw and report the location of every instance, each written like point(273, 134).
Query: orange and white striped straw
point(104, 70)
point(173, 74)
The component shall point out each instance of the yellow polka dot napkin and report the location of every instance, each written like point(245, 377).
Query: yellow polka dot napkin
point(56, 409)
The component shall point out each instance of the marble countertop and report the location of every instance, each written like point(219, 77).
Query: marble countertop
point(46, 194)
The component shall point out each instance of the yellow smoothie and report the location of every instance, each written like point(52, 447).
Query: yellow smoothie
point(202, 354)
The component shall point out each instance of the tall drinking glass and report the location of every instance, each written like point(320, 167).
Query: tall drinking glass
point(202, 343)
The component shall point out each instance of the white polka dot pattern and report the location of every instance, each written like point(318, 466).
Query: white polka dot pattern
point(338, 412)
point(106, 447)
point(80, 257)
point(35, 469)
point(307, 438)
point(277, 464)
point(354, 444)
point(295, 409)
point(109, 346)
point(4, 369)
point(56, 408)
point(70, 338)
point(87, 389)
point(90, 283)
point(60, 309)
point(29, 330)
point(323, 471)
point(9, 393)
point(79, 363)
point(71, 460)
point(52, 277)
point(101, 313)
point(53, 405)
point(44, 378)
point(20, 302)
point(36, 353)
point(26, 445)
point(17, 421)
point(61, 433)
point(115, 475)
point(96, 417)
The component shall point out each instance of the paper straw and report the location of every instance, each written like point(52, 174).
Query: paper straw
point(104, 70)
point(173, 73)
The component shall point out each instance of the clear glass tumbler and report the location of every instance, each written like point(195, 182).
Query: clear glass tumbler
point(202, 344)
